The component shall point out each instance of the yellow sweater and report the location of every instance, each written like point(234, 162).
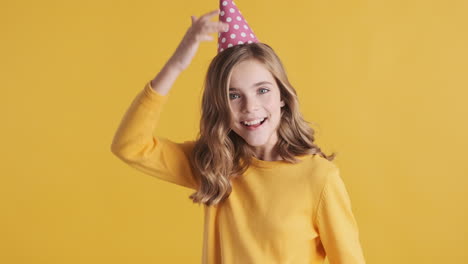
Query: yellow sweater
point(276, 213)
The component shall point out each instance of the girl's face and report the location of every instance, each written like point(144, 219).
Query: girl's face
point(254, 98)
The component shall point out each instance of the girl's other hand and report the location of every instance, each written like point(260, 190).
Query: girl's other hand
point(199, 31)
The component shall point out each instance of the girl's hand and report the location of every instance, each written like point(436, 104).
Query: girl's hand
point(199, 31)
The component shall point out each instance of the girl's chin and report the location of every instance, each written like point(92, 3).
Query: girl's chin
point(255, 142)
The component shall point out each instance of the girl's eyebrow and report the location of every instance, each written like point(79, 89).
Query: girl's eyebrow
point(255, 85)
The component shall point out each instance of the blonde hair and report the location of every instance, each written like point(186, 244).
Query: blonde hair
point(219, 154)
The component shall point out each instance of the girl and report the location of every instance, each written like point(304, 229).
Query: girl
point(269, 193)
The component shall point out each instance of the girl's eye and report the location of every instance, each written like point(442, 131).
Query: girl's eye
point(233, 96)
point(264, 89)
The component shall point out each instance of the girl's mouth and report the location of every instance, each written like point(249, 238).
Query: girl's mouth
point(254, 126)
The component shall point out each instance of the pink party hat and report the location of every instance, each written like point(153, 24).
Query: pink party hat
point(238, 32)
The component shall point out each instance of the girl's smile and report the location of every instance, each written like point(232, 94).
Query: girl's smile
point(253, 125)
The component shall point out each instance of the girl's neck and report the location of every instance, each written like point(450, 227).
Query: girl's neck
point(267, 153)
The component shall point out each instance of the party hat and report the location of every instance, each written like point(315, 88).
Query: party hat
point(238, 32)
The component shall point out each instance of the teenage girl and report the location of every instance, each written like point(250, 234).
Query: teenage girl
point(269, 193)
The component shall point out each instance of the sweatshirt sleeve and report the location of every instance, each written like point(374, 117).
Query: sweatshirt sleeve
point(135, 144)
point(336, 224)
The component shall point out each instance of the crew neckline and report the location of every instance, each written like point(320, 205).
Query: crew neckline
point(275, 163)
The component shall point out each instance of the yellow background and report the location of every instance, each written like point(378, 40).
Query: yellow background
point(385, 82)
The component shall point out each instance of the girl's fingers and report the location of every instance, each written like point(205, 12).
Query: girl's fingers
point(221, 26)
point(218, 27)
point(211, 27)
point(210, 14)
point(206, 37)
point(204, 27)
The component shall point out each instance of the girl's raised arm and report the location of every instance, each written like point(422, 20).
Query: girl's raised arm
point(134, 142)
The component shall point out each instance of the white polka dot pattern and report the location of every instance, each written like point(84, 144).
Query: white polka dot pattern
point(238, 32)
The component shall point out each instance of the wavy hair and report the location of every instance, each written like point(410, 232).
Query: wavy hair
point(219, 154)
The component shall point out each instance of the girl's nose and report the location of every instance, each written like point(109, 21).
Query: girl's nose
point(250, 104)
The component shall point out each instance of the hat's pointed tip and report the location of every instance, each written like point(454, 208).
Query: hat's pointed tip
point(238, 31)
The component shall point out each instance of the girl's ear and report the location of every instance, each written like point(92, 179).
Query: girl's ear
point(282, 103)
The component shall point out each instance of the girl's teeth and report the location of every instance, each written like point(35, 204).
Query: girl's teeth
point(253, 122)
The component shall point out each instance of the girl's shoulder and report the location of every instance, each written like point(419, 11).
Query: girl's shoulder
point(316, 161)
point(319, 169)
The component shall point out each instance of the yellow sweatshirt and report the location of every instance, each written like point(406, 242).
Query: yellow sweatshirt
point(276, 213)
